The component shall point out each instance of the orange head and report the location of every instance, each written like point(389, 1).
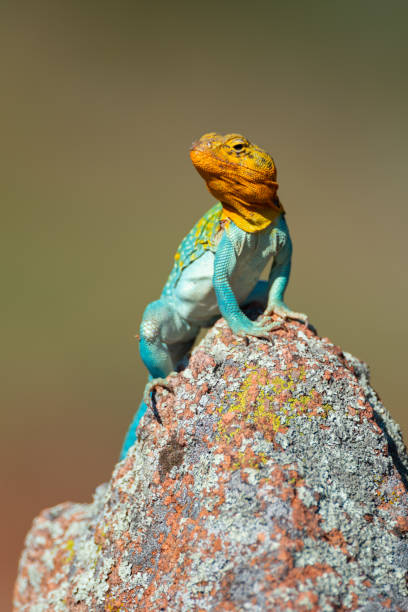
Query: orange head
point(236, 171)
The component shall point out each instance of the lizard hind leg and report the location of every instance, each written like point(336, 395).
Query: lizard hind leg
point(165, 339)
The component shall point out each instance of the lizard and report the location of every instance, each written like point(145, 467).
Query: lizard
point(217, 266)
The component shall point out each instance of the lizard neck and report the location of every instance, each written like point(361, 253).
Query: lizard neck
point(250, 217)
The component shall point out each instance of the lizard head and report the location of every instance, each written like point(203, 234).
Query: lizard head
point(236, 171)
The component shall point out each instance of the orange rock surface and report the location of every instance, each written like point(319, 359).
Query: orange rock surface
point(277, 481)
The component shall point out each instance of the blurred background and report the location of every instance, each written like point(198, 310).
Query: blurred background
point(100, 102)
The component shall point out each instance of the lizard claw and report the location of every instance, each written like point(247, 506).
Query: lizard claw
point(149, 394)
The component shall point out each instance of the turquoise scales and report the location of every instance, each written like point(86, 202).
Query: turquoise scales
point(216, 272)
point(200, 239)
point(199, 285)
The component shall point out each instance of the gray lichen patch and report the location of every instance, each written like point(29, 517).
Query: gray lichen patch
point(277, 481)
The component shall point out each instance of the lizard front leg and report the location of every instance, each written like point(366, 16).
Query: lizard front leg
point(278, 280)
point(224, 264)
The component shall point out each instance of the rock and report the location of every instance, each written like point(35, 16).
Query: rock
point(277, 481)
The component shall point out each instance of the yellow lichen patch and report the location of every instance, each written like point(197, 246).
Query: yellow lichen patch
point(112, 605)
point(253, 461)
point(302, 404)
point(253, 403)
point(394, 496)
point(385, 496)
point(69, 547)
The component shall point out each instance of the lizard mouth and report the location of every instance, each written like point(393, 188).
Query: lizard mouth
point(206, 140)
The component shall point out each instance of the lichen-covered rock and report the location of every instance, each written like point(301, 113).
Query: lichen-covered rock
point(276, 481)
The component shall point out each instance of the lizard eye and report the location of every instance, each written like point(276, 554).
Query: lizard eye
point(238, 147)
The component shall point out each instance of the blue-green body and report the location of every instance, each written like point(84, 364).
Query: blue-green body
point(216, 271)
point(201, 238)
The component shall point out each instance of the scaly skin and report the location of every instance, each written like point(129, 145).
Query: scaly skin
point(218, 264)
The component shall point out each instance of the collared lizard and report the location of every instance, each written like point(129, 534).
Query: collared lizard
point(218, 264)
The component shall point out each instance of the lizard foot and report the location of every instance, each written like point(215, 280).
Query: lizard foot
point(286, 313)
point(259, 329)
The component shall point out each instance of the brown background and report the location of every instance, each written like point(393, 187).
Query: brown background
point(99, 104)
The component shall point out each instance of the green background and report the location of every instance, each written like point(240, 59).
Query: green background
point(99, 104)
